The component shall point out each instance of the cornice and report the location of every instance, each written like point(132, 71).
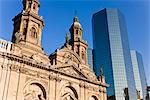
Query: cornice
point(30, 62)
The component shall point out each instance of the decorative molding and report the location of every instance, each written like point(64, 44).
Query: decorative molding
point(81, 84)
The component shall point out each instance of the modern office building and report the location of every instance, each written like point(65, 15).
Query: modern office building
point(111, 50)
point(139, 74)
point(148, 93)
point(90, 57)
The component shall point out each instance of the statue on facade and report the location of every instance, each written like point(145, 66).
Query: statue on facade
point(101, 71)
point(17, 37)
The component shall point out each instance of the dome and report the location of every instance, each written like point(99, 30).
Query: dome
point(76, 22)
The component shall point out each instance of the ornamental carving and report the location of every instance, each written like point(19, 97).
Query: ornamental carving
point(69, 93)
point(33, 32)
point(93, 97)
point(34, 91)
point(81, 84)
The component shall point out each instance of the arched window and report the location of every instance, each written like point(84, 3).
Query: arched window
point(69, 93)
point(24, 27)
point(83, 55)
point(77, 49)
point(93, 98)
point(33, 32)
point(77, 39)
point(76, 31)
point(34, 91)
point(34, 7)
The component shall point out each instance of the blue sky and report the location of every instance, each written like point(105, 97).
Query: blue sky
point(58, 16)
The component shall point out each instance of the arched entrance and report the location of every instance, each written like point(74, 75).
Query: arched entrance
point(34, 91)
point(93, 98)
point(69, 93)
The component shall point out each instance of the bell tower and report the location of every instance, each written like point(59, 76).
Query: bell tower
point(76, 30)
point(28, 25)
point(79, 46)
point(31, 5)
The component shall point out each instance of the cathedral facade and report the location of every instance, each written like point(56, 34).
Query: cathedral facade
point(27, 73)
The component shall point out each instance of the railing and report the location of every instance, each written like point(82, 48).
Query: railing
point(5, 46)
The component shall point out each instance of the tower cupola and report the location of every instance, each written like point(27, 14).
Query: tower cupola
point(31, 5)
point(76, 30)
point(76, 23)
point(28, 25)
point(79, 46)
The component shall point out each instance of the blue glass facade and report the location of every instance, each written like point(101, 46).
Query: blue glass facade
point(111, 49)
point(90, 57)
point(139, 73)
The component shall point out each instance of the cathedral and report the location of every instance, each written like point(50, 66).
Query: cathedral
point(28, 73)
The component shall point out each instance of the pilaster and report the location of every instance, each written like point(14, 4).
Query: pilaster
point(82, 91)
point(3, 79)
point(52, 91)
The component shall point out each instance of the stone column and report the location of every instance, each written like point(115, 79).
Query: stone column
point(3, 78)
point(1, 71)
point(28, 30)
point(86, 91)
point(7, 81)
point(101, 93)
point(82, 91)
point(58, 79)
point(39, 34)
point(12, 90)
point(104, 94)
point(21, 81)
point(52, 85)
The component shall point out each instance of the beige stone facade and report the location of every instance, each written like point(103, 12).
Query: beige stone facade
point(27, 73)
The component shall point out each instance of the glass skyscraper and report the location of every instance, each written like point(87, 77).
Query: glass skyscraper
point(111, 50)
point(90, 57)
point(139, 74)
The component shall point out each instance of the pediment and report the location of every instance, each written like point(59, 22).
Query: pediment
point(72, 71)
point(70, 63)
point(65, 56)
